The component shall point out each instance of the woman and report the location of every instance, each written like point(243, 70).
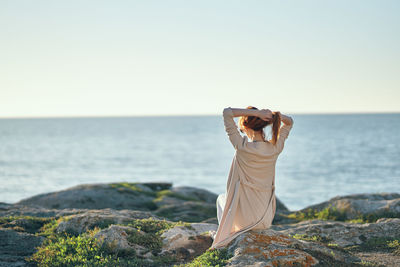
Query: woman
point(249, 201)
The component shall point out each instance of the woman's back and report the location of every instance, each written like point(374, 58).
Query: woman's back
point(249, 201)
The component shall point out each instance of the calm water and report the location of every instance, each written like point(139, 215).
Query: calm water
point(324, 156)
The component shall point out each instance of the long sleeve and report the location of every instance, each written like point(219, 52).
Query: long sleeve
point(283, 135)
point(231, 129)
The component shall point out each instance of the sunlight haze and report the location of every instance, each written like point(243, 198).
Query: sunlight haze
point(133, 58)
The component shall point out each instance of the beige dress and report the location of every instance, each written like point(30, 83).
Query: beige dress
point(249, 201)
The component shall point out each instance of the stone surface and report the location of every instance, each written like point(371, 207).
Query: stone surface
point(185, 243)
point(280, 207)
point(271, 248)
point(4, 206)
point(341, 233)
point(15, 246)
point(318, 242)
point(157, 186)
point(79, 223)
point(93, 196)
point(188, 211)
point(115, 239)
point(196, 193)
point(23, 210)
point(363, 204)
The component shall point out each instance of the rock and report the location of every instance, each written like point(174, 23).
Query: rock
point(188, 211)
point(80, 223)
point(24, 224)
point(168, 200)
point(95, 196)
point(196, 194)
point(37, 211)
point(185, 242)
point(280, 207)
point(341, 233)
point(115, 240)
point(376, 205)
point(271, 248)
point(281, 218)
point(157, 186)
point(212, 220)
point(280, 214)
point(4, 206)
point(15, 246)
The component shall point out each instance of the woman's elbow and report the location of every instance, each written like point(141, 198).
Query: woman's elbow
point(226, 111)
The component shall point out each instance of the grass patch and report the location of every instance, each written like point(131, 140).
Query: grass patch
point(48, 230)
point(63, 249)
point(215, 257)
point(82, 250)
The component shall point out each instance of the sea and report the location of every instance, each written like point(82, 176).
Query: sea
point(325, 155)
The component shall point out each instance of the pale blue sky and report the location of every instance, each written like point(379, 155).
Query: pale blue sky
point(94, 58)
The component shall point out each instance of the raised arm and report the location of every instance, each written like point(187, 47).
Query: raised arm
point(286, 119)
point(237, 112)
point(284, 131)
point(230, 126)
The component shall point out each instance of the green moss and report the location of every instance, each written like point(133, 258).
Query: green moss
point(332, 245)
point(131, 188)
point(151, 231)
point(332, 213)
point(367, 263)
point(395, 245)
point(29, 224)
point(315, 238)
point(150, 225)
point(376, 243)
point(358, 220)
point(49, 228)
point(168, 193)
point(215, 257)
point(150, 241)
point(372, 217)
point(328, 213)
point(389, 244)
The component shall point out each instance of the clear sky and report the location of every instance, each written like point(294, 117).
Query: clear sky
point(96, 58)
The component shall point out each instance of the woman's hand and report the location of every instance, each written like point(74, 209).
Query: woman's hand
point(265, 114)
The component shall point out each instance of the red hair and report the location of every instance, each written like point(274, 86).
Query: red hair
point(257, 124)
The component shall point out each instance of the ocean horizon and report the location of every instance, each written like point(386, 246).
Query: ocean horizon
point(326, 155)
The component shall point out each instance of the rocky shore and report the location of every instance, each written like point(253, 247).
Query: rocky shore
point(157, 224)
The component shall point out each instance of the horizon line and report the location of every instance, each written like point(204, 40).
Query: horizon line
point(191, 115)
